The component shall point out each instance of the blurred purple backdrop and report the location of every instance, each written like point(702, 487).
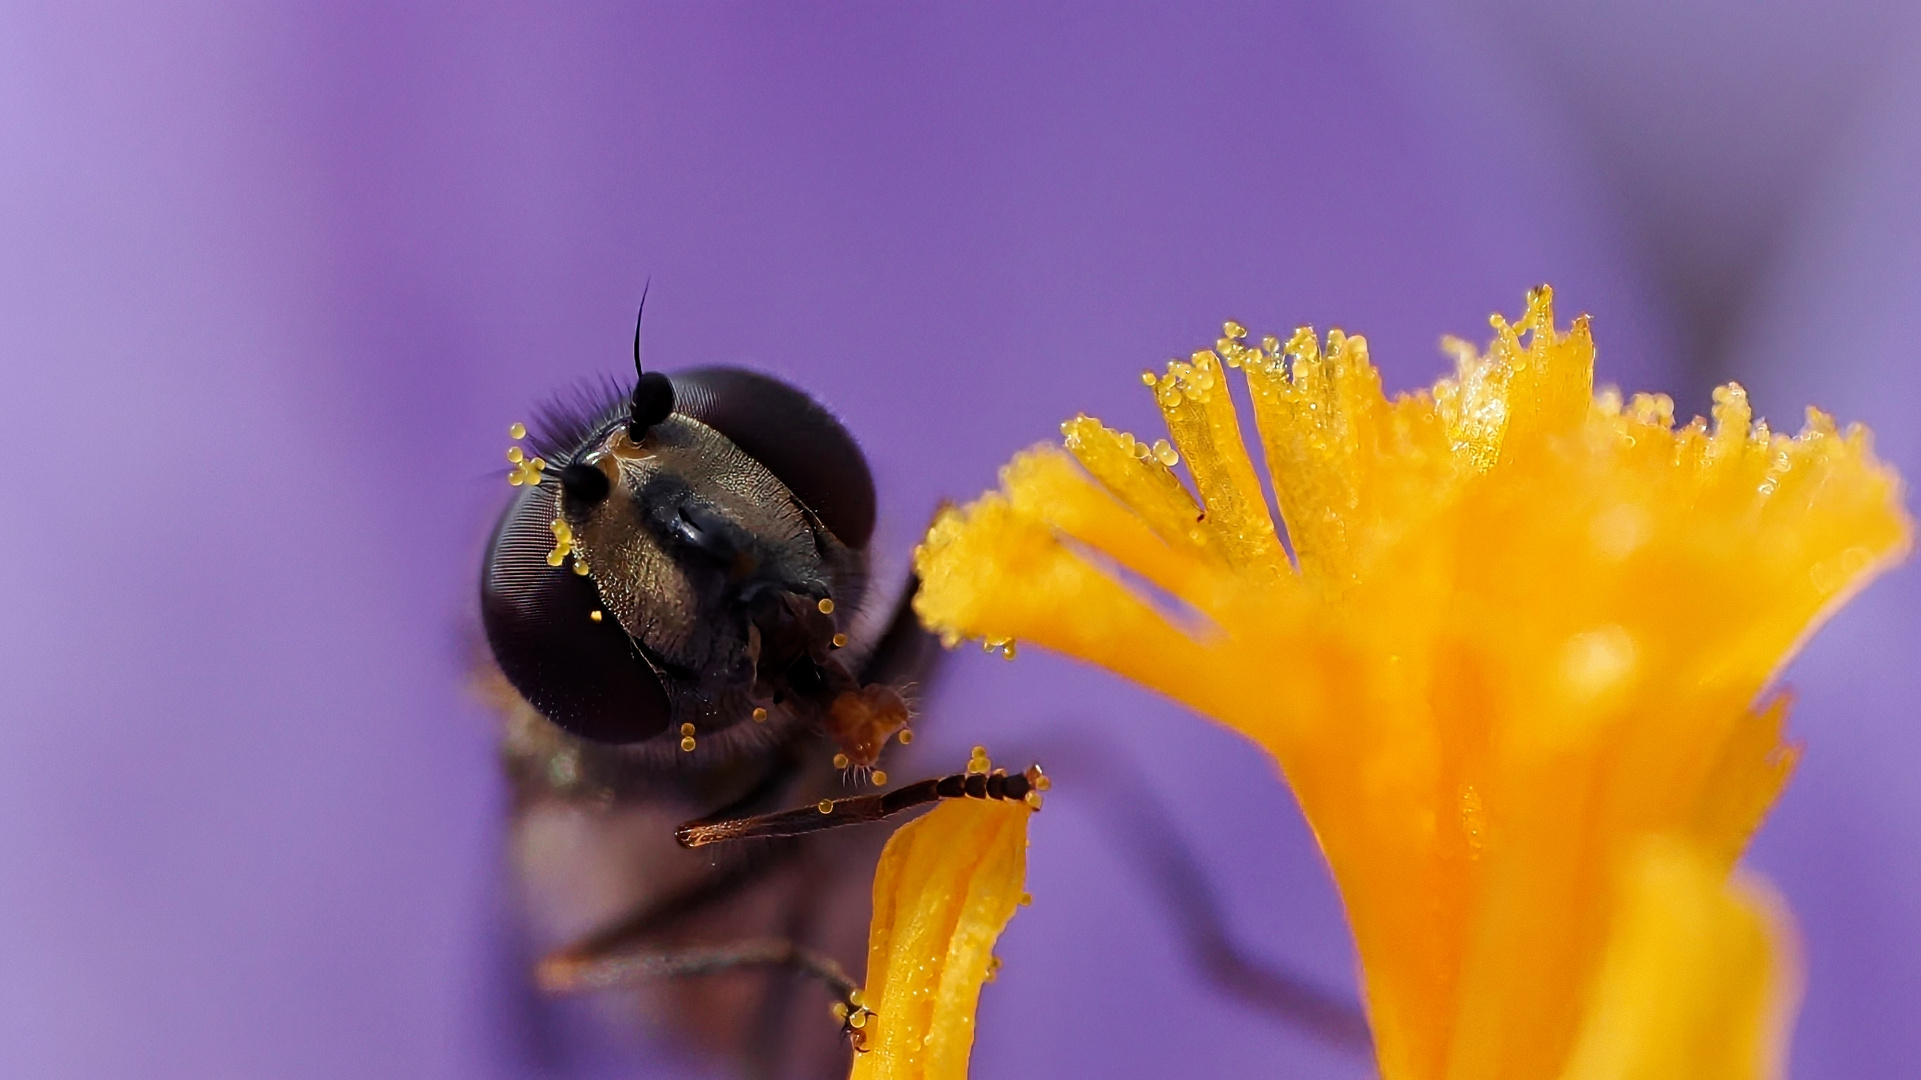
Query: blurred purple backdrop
point(276, 277)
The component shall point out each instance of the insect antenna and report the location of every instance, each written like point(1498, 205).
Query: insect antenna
point(653, 397)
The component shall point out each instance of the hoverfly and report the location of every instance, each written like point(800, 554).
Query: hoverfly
point(687, 636)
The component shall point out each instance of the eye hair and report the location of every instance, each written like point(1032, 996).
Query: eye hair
point(571, 417)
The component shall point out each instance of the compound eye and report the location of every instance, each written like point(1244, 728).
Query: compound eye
point(584, 674)
point(793, 436)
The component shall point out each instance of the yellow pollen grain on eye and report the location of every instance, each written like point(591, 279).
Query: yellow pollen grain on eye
point(841, 761)
point(580, 566)
point(826, 806)
point(826, 606)
point(556, 557)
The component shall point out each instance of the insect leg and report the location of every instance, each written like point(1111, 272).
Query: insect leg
point(689, 961)
point(835, 813)
point(560, 967)
point(1142, 826)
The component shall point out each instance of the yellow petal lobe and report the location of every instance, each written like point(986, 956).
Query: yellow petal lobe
point(947, 885)
point(1698, 980)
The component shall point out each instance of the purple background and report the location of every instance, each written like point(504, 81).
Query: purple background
point(274, 279)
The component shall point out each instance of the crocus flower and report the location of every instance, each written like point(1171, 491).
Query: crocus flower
point(1512, 655)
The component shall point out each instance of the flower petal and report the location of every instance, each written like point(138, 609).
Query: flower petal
point(1699, 980)
point(946, 886)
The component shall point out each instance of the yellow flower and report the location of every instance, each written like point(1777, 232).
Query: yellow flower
point(1512, 669)
point(946, 886)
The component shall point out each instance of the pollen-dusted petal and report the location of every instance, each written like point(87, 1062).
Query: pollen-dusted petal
point(946, 886)
point(1044, 483)
point(1200, 416)
point(1699, 978)
point(1124, 466)
point(990, 571)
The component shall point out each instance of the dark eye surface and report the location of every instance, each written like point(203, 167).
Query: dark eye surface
point(794, 437)
point(584, 675)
